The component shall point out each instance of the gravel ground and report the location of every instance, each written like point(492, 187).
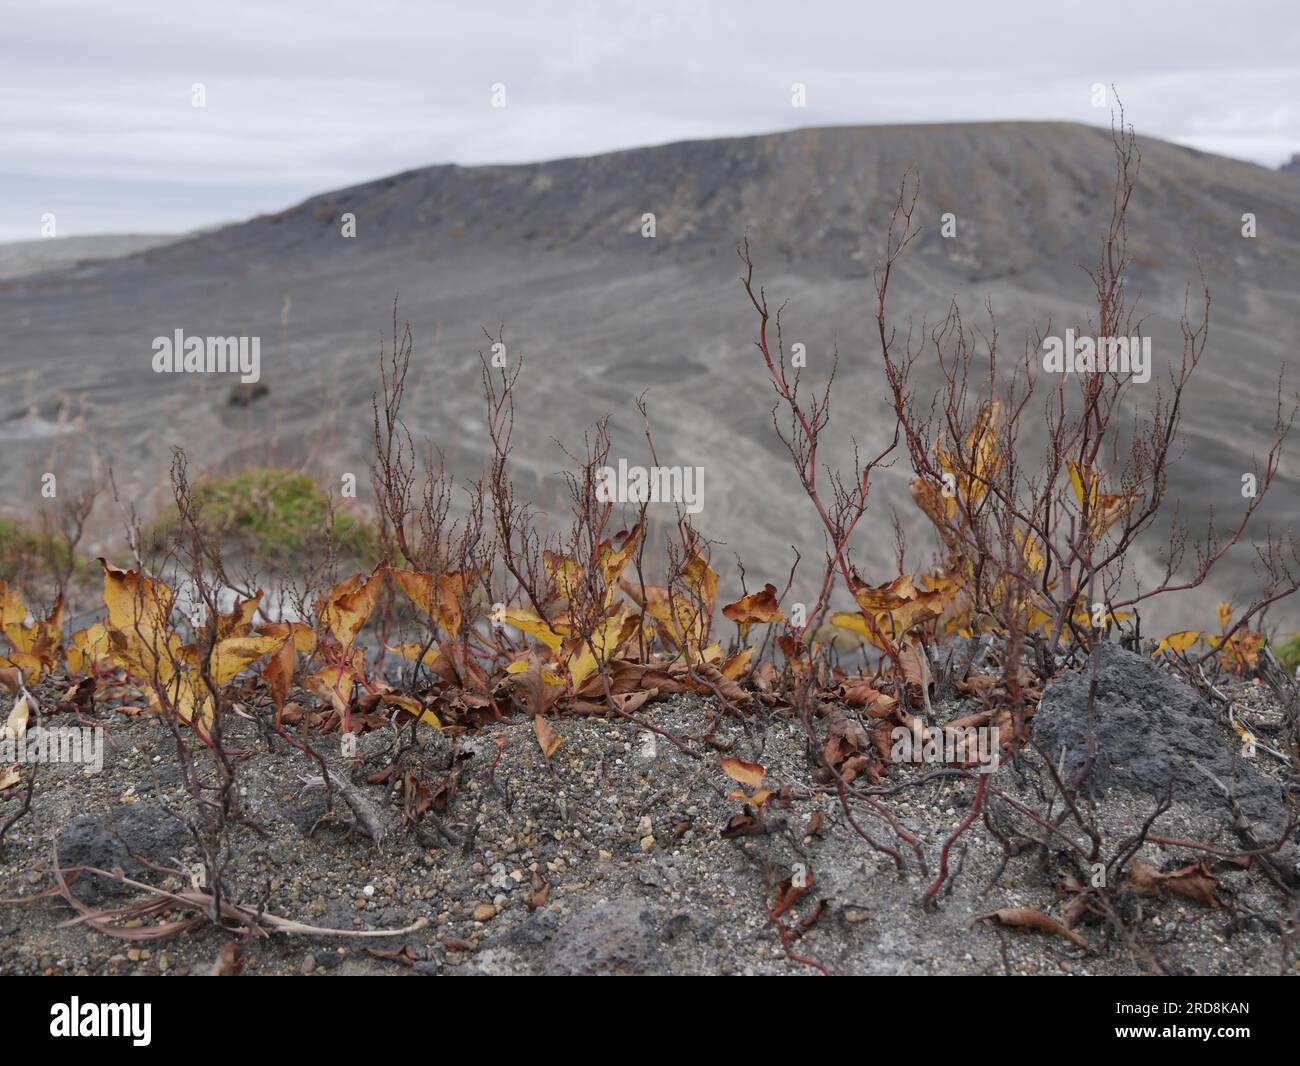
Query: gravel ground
point(610, 860)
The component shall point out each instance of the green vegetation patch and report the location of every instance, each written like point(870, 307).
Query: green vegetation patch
point(28, 550)
point(281, 516)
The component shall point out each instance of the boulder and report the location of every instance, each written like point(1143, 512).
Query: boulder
point(1151, 729)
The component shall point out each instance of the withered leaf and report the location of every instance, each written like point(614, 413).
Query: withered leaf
point(1196, 882)
point(547, 738)
point(540, 893)
point(1028, 918)
point(406, 955)
point(743, 824)
point(747, 773)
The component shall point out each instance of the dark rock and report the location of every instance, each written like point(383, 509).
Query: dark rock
point(311, 809)
point(243, 393)
point(691, 923)
point(133, 829)
point(149, 831)
point(614, 938)
point(163, 776)
point(536, 932)
point(1151, 729)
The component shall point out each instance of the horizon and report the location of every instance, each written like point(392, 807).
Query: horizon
point(543, 161)
point(111, 141)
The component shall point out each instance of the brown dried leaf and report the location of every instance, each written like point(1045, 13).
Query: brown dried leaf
point(747, 773)
point(1028, 918)
point(547, 738)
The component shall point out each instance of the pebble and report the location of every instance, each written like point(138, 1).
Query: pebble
point(485, 912)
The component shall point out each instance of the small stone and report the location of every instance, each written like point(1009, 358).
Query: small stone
point(484, 912)
point(647, 842)
point(164, 962)
point(606, 856)
point(309, 963)
point(368, 891)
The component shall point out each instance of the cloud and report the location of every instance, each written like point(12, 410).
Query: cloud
point(96, 122)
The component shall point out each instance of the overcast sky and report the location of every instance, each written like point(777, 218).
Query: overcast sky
point(97, 124)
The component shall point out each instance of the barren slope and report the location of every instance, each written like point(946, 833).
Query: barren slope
point(599, 313)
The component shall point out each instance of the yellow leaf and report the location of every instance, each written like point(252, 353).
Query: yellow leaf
point(566, 575)
point(758, 608)
point(904, 603)
point(737, 664)
point(407, 703)
point(303, 636)
point(1082, 494)
point(190, 700)
point(16, 725)
point(982, 458)
point(346, 608)
point(521, 666)
point(683, 616)
point(136, 604)
point(12, 609)
point(239, 622)
point(231, 656)
point(1028, 545)
point(758, 799)
point(1102, 511)
point(614, 561)
point(940, 509)
point(534, 626)
point(412, 649)
point(36, 647)
point(855, 623)
point(1179, 641)
point(334, 683)
point(437, 596)
point(86, 647)
point(586, 657)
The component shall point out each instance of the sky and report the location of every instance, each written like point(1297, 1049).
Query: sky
point(98, 126)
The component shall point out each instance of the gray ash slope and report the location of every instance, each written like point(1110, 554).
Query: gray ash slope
point(553, 250)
